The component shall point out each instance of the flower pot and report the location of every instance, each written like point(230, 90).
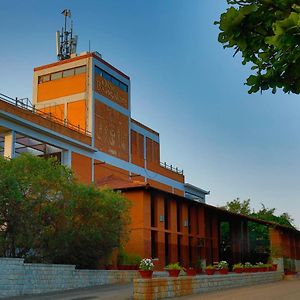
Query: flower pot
point(223, 271)
point(238, 270)
point(198, 270)
point(174, 273)
point(191, 272)
point(146, 274)
point(274, 267)
point(210, 271)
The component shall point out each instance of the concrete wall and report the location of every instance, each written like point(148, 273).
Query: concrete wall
point(19, 278)
point(167, 287)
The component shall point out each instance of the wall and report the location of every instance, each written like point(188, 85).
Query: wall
point(19, 278)
point(167, 287)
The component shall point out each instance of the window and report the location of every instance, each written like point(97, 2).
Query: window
point(167, 213)
point(80, 70)
point(167, 250)
point(178, 217)
point(112, 79)
point(68, 73)
point(56, 75)
point(179, 248)
point(62, 74)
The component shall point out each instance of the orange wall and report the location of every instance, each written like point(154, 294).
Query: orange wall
point(153, 155)
point(111, 131)
point(61, 87)
point(82, 167)
point(76, 113)
point(102, 170)
point(56, 111)
point(110, 91)
point(137, 148)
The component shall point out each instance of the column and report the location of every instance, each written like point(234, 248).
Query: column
point(9, 144)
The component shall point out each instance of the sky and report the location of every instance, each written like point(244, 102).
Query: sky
point(183, 85)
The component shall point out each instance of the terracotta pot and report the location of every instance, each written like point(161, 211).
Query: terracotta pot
point(146, 274)
point(191, 272)
point(223, 271)
point(210, 271)
point(238, 270)
point(274, 267)
point(174, 273)
point(198, 270)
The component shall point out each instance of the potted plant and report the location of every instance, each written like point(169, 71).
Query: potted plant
point(173, 269)
point(238, 268)
point(210, 270)
point(247, 267)
point(223, 267)
point(146, 268)
point(190, 271)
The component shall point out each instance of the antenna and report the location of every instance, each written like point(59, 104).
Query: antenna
point(66, 43)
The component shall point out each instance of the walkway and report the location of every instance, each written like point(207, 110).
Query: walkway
point(287, 290)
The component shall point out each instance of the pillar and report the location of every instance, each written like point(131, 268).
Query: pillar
point(9, 144)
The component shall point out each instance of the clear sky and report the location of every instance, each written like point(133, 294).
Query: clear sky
point(184, 85)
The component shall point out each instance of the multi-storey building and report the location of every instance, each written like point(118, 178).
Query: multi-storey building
point(81, 113)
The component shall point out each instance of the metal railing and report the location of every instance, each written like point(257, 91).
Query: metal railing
point(171, 168)
point(26, 104)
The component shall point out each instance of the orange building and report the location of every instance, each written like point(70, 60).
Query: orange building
point(81, 113)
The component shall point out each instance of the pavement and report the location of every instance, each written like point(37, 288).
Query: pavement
point(281, 290)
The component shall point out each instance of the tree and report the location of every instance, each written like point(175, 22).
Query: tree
point(236, 206)
point(47, 216)
point(267, 34)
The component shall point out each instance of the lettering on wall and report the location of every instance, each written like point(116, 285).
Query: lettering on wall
point(111, 131)
point(108, 90)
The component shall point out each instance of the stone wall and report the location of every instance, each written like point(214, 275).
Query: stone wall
point(167, 287)
point(19, 278)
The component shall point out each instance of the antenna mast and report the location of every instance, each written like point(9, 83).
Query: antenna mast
point(66, 43)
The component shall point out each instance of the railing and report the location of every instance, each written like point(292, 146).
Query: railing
point(171, 168)
point(26, 104)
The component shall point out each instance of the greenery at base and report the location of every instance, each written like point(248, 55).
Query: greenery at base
point(47, 216)
point(267, 35)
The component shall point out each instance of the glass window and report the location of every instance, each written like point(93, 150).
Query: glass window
point(106, 76)
point(68, 73)
point(56, 75)
point(123, 87)
point(44, 78)
point(115, 81)
point(80, 70)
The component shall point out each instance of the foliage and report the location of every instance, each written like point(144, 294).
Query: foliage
point(128, 259)
point(223, 264)
point(175, 266)
point(237, 266)
point(267, 214)
point(210, 267)
point(146, 264)
point(45, 215)
point(267, 34)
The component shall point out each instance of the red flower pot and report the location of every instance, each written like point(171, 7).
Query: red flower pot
point(223, 271)
point(191, 272)
point(198, 270)
point(174, 273)
point(210, 271)
point(274, 267)
point(146, 274)
point(238, 270)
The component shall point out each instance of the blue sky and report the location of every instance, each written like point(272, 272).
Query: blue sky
point(184, 85)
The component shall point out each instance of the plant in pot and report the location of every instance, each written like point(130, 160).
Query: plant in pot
point(146, 268)
point(247, 267)
point(190, 271)
point(238, 268)
point(223, 267)
point(210, 270)
point(173, 269)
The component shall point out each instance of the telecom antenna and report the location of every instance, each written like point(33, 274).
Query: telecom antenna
point(66, 43)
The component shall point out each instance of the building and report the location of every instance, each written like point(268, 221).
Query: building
point(81, 114)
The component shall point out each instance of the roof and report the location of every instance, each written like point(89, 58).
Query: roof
point(118, 183)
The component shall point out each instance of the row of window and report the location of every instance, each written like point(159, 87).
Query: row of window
point(112, 79)
point(62, 74)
